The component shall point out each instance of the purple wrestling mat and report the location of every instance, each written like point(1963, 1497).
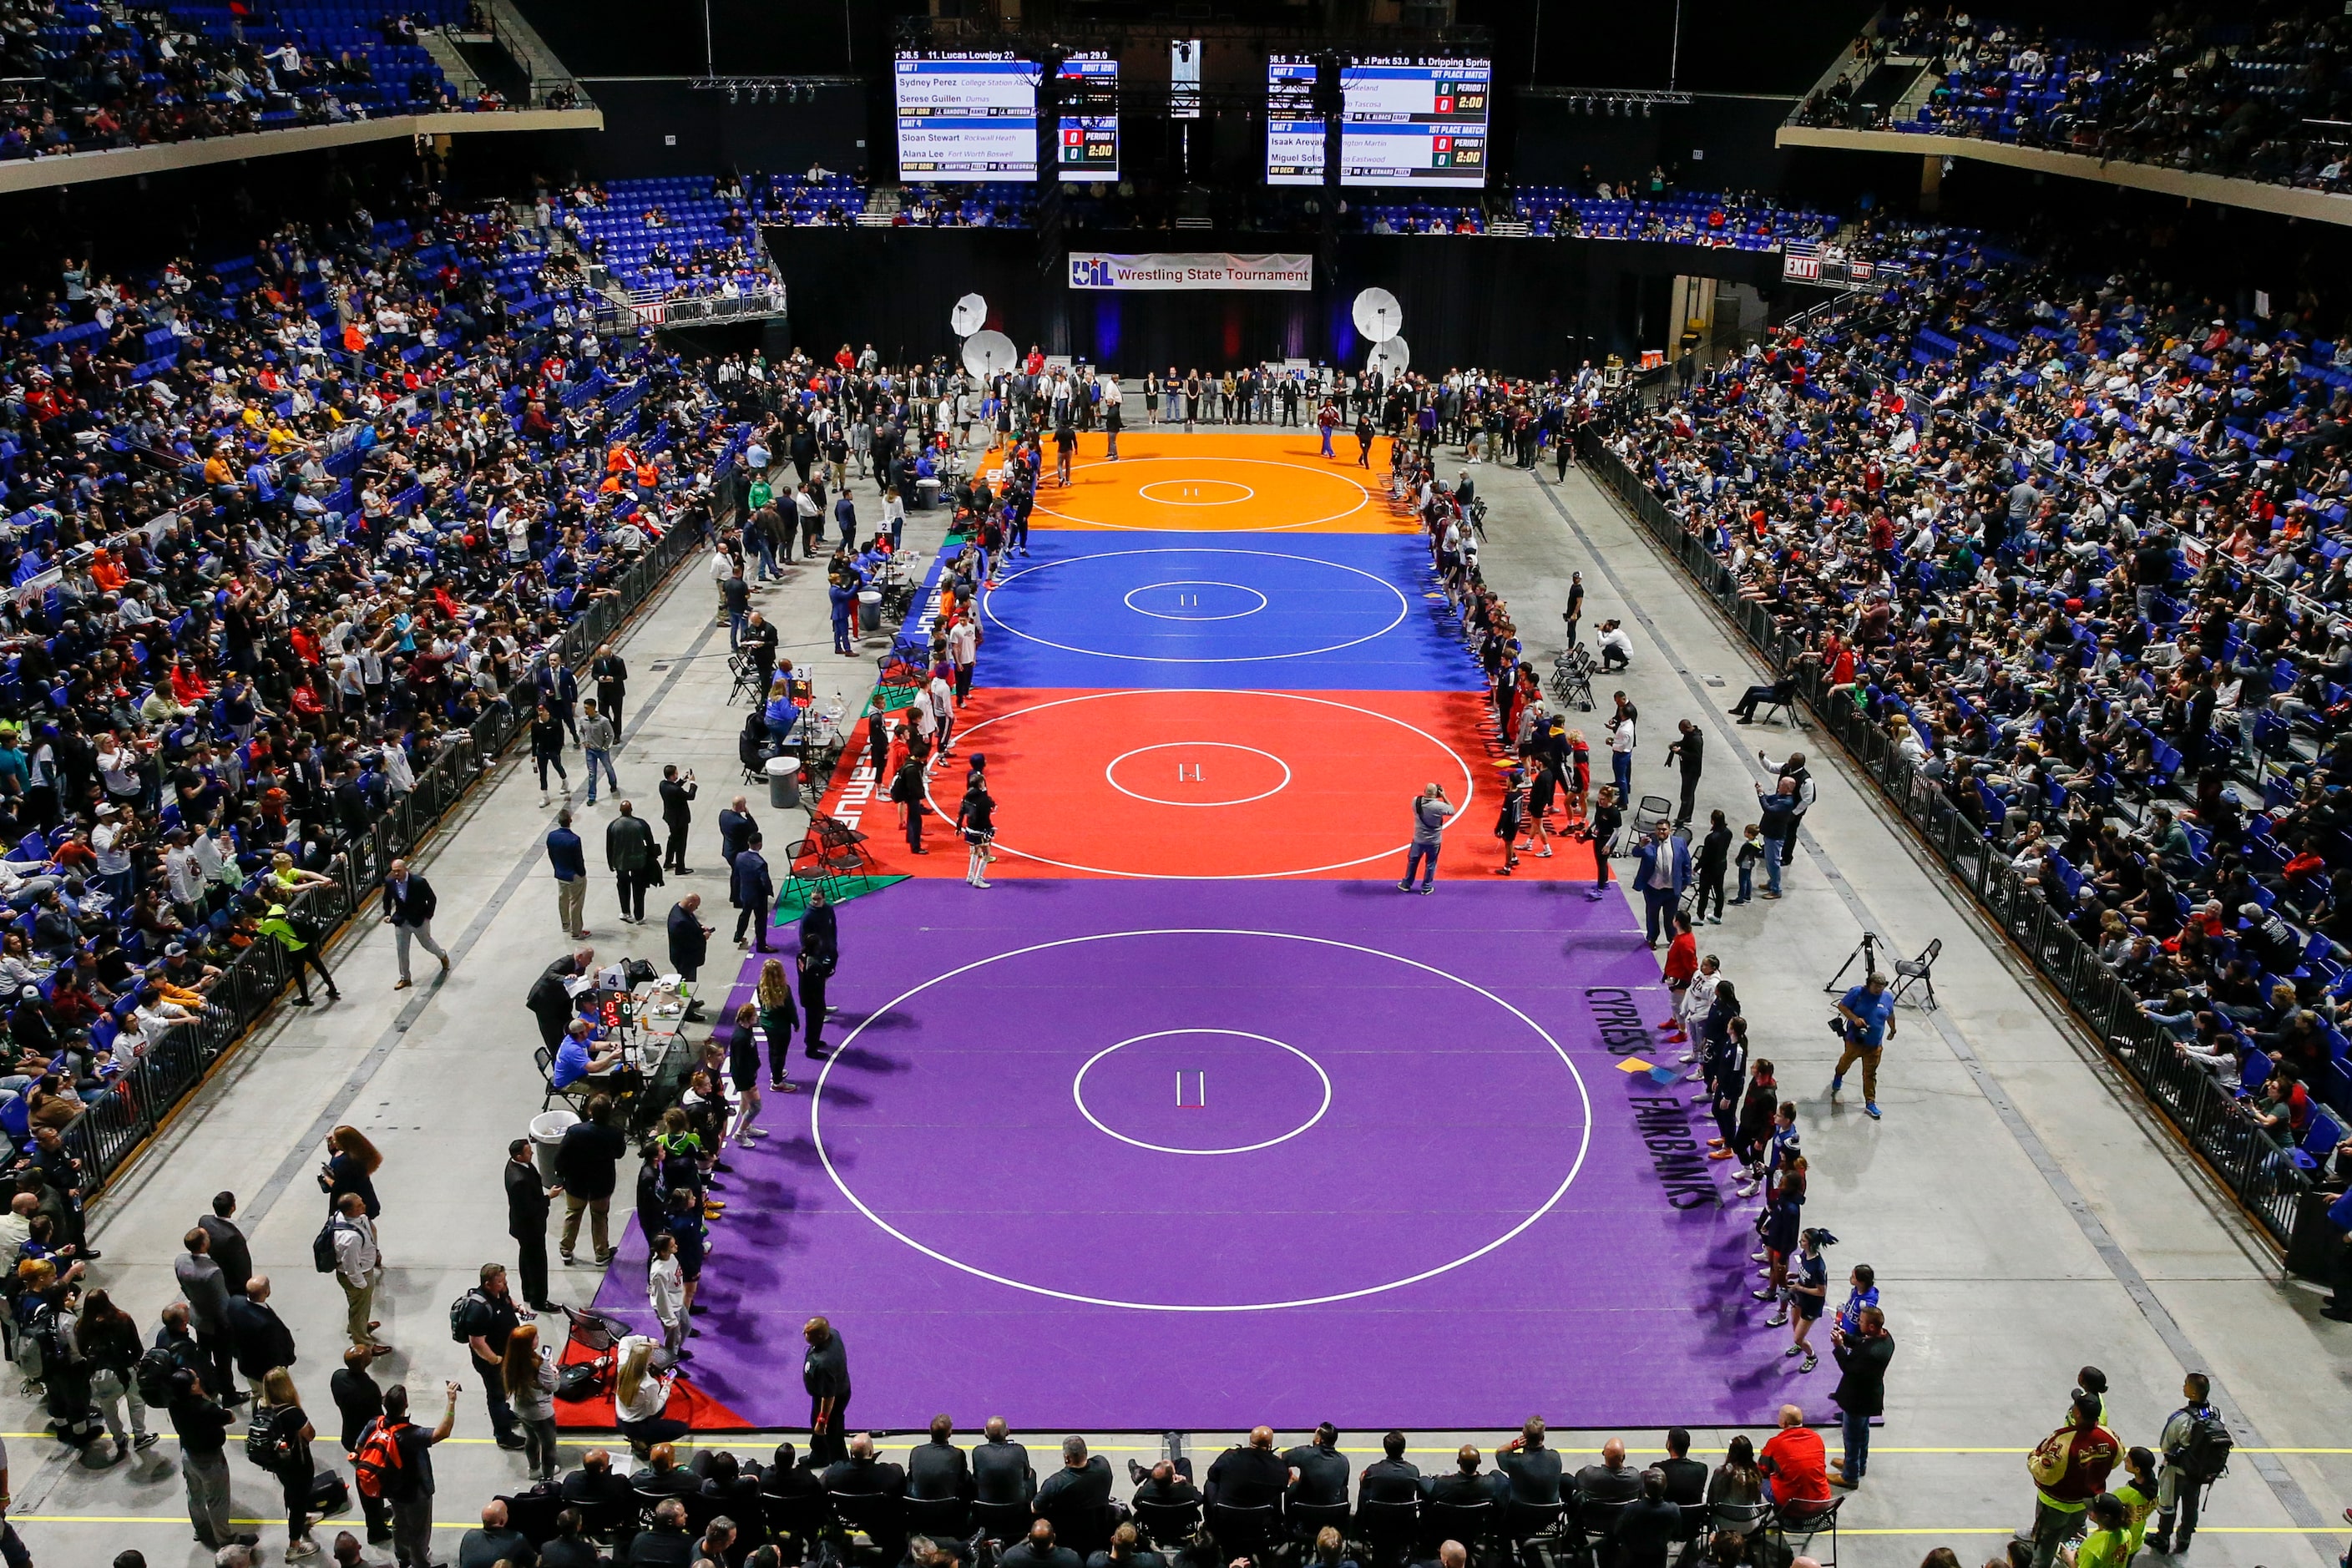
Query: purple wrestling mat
point(1121, 1156)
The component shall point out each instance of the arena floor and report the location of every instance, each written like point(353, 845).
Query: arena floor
point(1469, 1232)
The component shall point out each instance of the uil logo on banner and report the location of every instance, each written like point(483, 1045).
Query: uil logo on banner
point(1089, 272)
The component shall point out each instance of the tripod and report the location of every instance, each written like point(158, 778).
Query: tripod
point(1867, 950)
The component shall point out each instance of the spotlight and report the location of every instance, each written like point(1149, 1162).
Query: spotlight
point(734, 93)
point(1647, 108)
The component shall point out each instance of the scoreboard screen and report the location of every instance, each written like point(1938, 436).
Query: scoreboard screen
point(968, 117)
point(1090, 125)
point(1405, 121)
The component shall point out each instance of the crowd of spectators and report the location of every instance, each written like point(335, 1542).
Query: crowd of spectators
point(2261, 98)
point(86, 79)
point(677, 237)
point(279, 532)
point(2078, 545)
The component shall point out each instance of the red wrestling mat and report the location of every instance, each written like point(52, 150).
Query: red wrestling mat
point(1207, 784)
point(687, 1403)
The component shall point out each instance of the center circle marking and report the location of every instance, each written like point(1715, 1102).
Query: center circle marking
point(1469, 785)
point(1078, 1092)
point(1403, 607)
point(1145, 492)
point(1362, 493)
point(1128, 599)
point(824, 1076)
point(1110, 775)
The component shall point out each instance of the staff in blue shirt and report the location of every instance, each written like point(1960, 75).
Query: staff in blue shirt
point(1866, 1013)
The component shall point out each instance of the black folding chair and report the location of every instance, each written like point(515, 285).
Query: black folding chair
point(1390, 1530)
point(797, 1522)
point(878, 1517)
point(1244, 1532)
point(1784, 700)
point(1085, 1530)
point(1006, 1521)
point(1309, 1519)
point(1804, 1522)
point(1526, 1522)
point(1471, 1523)
point(1919, 972)
point(1167, 1525)
point(941, 1519)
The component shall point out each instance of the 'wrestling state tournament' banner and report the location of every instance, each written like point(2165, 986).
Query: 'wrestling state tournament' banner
point(1189, 270)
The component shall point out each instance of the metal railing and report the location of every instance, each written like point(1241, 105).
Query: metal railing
point(2257, 1171)
point(121, 1120)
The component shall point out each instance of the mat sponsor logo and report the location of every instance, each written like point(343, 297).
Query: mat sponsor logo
point(1662, 1121)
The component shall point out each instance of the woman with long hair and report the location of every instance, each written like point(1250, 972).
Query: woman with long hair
point(640, 1394)
point(779, 1020)
point(743, 1067)
point(106, 1339)
point(1736, 1486)
point(527, 1372)
point(289, 1440)
point(351, 1165)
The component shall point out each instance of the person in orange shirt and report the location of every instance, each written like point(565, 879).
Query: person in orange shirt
point(107, 572)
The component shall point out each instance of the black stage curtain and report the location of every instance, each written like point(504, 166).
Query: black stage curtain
point(1519, 306)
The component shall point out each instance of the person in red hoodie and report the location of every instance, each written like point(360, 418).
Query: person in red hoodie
point(1682, 966)
point(2069, 1468)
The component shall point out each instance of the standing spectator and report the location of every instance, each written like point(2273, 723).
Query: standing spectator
point(201, 1423)
point(677, 817)
point(689, 947)
point(1793, 771)
point(301, 952)
point(1663, 874)
point(1621, 746)
point(1689, 748)
point(206, 1293)
point(2195, 1445)
point(409, 1487)
point(409, 903)
point(752, 892)
point(610, 671)
point(289, 1437)
point(1602, 832)
point(229, 1245)
point(819, 956)
point(528, 1374)
point(107, 1338)
point(257, 1335)
point(568, 859)
point(358, 1401)
point(665, 1293)
point(2069, 1468)
point(587, 1167)
point(350, 1166)
point(1714, 859)
point(635, 863)
point(547, 750)
point(1861, 1388)
point(824, 1373)
point(597, 737)
point(526, 1211)
point(1778, 808)
point(359, 1269)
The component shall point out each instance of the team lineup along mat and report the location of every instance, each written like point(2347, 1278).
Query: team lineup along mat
point(1192, 1119)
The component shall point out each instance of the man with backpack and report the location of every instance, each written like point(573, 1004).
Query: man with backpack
point(483, 1319)
point(2069, 1468)
point(394, 1462)
point(2196, 1445)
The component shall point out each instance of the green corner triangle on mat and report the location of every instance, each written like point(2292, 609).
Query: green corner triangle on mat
point(793, 903)
point(892, 698)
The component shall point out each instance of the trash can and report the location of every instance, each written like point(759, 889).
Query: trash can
point(784, 782)
point(927, 494)
point(870, 609)
point(546, 1131)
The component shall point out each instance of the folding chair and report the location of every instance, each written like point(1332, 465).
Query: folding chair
point(1919, 972)
point(1784, 700)
point(746, 679)
point(1804, 1526)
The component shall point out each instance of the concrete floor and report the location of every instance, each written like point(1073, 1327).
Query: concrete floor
point(2025, 1213)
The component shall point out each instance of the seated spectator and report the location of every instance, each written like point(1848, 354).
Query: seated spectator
point(1795, 1466)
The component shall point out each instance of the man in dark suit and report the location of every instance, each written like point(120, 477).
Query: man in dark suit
point(1166, 1486)
point(550, 999)
point(1249, 1476)
point(1000, 1468)
point(408, 905)
point(937, 1469)
point(736, 826)
point(1392, 1478)
point(1082, 1483)
point(689, 946)
point(1318, 1471)
point(527, 1206)
point(1467, 1486)
point(787, 1478)
point(635, 862)
point(664, 1545)
point(1685, 1477)
point(228, 1246)
point(1530, 1469)
point(863, 1475)
point(753, 893)
point(1040, 1550)
point(677, 816)
point(611, 673)
point(1610, 1481)
point(257, 1337)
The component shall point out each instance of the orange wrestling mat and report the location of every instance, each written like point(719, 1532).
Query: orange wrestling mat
point(1225, 483)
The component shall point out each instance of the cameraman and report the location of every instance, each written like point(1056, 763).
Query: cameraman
point(1865, 1018)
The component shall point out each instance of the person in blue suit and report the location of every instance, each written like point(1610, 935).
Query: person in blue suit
point(844, 594)
point(752, 892)
point(1662, 876)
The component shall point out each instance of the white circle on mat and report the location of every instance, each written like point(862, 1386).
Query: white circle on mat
point(1128, 600)
point(1078, 1092)
point(1111, 776)
point(824, 1074)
